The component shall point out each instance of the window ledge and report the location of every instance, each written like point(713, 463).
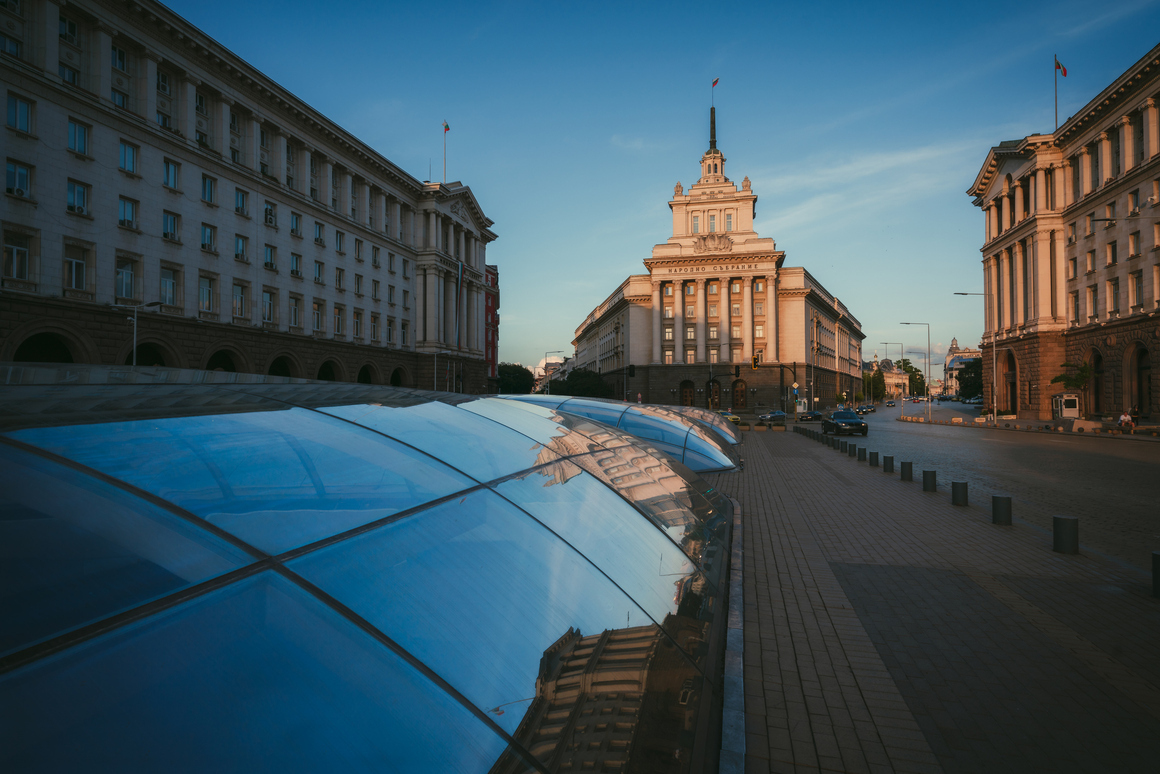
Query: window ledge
point(131, 229)
point(209, 204)
point(295, 329)
point(209, 250)
point(172, 241)
point(14, 283)
point(23, 199)
point(82, 156)
point(131, 175)
point(241, 320)
point(358, 295)
point(177, 191)
point(270, 326)
point(170, 309)
point(79, 295)
point(296, 234)
point(22, 133)
point(86, 216)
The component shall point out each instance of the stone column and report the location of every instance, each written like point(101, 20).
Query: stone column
point(147, 88)
point(1043, 287)
point(1017, 216)
point(1105, 150)
point(104, 63)
point(702, 314)
point(225, 106)
point(1085, 174)
point(678, 321)
point(1061, 174)
point(1001, 317)
point(725, 320)
point(325, 179)
point(988, 297)
point(449, 308)
point(343, 180)
point(747, 318)
point(278, 157)
point(1040, 190)
point(1019, 256)
point(187, 113)
point(988, 221)
point(1005, 203)
point(431, 317)
point(773, 317)
point(1151, 128)
point(367, 213)
point(1127, 143)
point(302, 170)
point(253, 143)
point(47, 36)
point(397, 219)
point(383, 212)
point(656, 321)
point(411, 236)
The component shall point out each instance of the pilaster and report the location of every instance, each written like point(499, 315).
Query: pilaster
point(1151, 128)
point(701, 315)
point(48, 36)
point(747, 318)
point(656, 322)
point(1127, 143)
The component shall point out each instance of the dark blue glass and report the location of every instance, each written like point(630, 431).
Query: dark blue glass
point(608, 413)
point(534, 421)
point(257, 676)
point(481, 448)
point(475, 589)
point(276, 479)
point(74, 549)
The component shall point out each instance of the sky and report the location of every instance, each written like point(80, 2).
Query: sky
point(861, 126)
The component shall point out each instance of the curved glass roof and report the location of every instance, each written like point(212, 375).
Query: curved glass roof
point(358, 576)
point(696, 444)
point(727, 429)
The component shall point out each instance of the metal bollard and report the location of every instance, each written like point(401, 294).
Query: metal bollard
point(907, 471)
point(861, 454)
point(853, 449)
point(1156, 573)
point(873, 459)
point(1001, 510)
point(958, 493)
point(1065, 534)
point(929, 483)
point(844, 445)
point(888, 464)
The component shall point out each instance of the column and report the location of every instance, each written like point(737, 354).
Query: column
point(432, 241)
point(1127, 143)
point(187, 108)
point(302, 171)
point(678, 322)
point(1105, 151)
point(431, 321)
point(1040, 190)
point(988, 217)
point(449, 308)
point(747, 318)
point(773, 318)
point(656, 322)
point(1000, 290)
point(253, 141)
point(278, 156)
point(367, 214)
point(1060, 288)
point(225, 105)
point(1019, 263)
point(383, 212)
point(468, 317)
point(1151, 129)
point(147, 88)
point(701, 315)
point(1005, 203)
point(325, 179)
point(1043, 287)
point(104, 65)
point(412, 237)
point(1062, 172)
point(989, 297)
point(397, 218)
point(463, 246)
point(1018, 195)
point(342, 180)
point(47, 36)
point(725, 319)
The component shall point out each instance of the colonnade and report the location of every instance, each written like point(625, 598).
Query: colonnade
point(686, 311)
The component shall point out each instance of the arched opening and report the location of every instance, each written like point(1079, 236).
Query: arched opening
point(44, 348)
point(397, 377)
point(1140, 372)
point(713, 393)
point(1097, 386)
point(740, 400)
point(148, 354)
point(1010, 384)
point(282, 366)
point(222, 360)
point(688, 393)
point(326, 371)
point(366, 375)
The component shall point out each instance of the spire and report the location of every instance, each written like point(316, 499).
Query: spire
point(712, 128)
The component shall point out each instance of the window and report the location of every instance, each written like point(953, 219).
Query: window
point(78, 197)
point(295, 312)
point(270, 261)
point(171, 169)
point(239, 300)
point(1113, 257)
point(168, 286)
point(241, 202)
point(728, 221)
point(358, 284)
point(712, 224)
point(712, 288)
point(19, 114)
point(668, 357)
point(11, 46)
point(75, 263)
point(295, 224)
point(318, 234)
point(1109, 214)
point(736, 288)
point(317, 310)
point(318, 272)
point(404, 337)
point(128, 158)
point(295, 265)
point(1093, 297)
point(736, 310)
point(1136, 289)
point(357, 331)
point(78, 137)
point(758, 286)
point(18, 181)
point(696, 224)
point(208, 238)
point(241, 248)
point(163, 120)
point(338, 241)
point(68, 74)
point(668, 290)
point(263, 138)
point(1091, 261)
point(270, 214)
point(391, 262)
point(16, 256)
point(759, 307)
point(1133, 244)
point(269, 304)
point(690, 355)
point(1070, 233)
point(668, 333)
point(119, 98)
point(690, 290)
point(170, 226)
point(163, 82)
point(199, 104)
point(1074, 306)
point(127, 213)
point(690, 333)
point(235, 125)
point(1089, 221)
point(120, 59)
point(374, 327)
point(1072, 267)
point(759, 331)
point(713, 355)
point(390, 331)
point(208, 189)
point(358, 250)
point(339, 276)
point(736, 355)
point(712, 310)
point(736, 332)
point(406, 269)
point(125, 287)
point(390, 293)
point(668, 312)
point(1113, 297)
point(68, 30)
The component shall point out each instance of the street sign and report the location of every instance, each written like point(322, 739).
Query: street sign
point(795, 385)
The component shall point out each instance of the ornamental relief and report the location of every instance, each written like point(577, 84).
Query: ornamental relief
point(119, 80)
point(712, 243)
point(163, 103)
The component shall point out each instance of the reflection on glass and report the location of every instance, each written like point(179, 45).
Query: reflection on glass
point(476, 590)
point(277, 480)
point(257, 676)
point(712, 419)
point(481, 448)
point(536, 422)
point(74, 549)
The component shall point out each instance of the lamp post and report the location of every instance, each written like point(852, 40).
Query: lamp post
point(547, 376)
point(135, 307)
point(994, 363)
point(926, 379)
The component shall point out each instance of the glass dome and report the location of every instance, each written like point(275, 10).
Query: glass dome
point(727, 429)
point(696, 444)
point(222, 571)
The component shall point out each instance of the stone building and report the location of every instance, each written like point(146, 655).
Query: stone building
point(956, 360)
point(1071, 254)
point(719, 320)
point(149, 167)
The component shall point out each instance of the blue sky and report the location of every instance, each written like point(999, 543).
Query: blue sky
point(861, 126)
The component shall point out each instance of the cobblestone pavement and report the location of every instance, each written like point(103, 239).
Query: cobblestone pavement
point(889, 631)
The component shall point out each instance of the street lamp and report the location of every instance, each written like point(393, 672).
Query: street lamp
point(901, 356)
point(994, 364)
point(135, 307)
point(926, 380)
point(547, 376)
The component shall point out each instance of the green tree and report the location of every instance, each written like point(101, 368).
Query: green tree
point(917, 380)
point(582, 383)
point(514, 379)
point(971, 379)
point(1077, 381)
point(878, 385)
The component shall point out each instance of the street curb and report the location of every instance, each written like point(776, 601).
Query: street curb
point(733, 711)
point(1029, 426)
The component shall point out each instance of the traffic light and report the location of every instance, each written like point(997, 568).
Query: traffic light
point(736, 372)
point(754, 364)
point(631, 371)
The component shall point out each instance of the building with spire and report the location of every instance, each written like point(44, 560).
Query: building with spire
point(719, 321)
point(957, 359)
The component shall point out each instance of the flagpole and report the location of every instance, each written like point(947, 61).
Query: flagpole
point(1055, 71)
point(444, 156)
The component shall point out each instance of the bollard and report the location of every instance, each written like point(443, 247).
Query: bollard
point(1065, 534)
point(888, 464)
point(958, 493)
point(907, 471)
point(1001, 510)
point(862, 454)
point(1156, 573)
point(873, 459)
point(844, 445)
point(853, 449)
point(929, 484)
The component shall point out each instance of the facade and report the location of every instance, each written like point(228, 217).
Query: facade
point(491, 322)
point(149, 167)
point(896, 381)
point(1071, 254)
point(956, 359)
point(719, 321)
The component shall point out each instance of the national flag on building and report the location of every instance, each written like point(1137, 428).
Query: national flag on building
point(447, 128)
point(1061, 68)
point(717, 79)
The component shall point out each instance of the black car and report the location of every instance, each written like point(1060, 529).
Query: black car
point(810, 416)
point(889, 404)
point(773, 417)
point(845, 421)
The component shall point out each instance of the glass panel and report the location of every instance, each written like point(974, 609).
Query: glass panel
point(74, 549)
point(476, 590)
point(533, 421)
point(277, 479)
point(609, 414)
point(256, 676)
point(608, 531)
point(648, 423)
point(477, 446)
point(716, 453)
point(550, 401)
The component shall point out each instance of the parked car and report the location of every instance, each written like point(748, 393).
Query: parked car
point(871, 407)
point(889, 404)
point(773, 417)
point(730, 416)
point(844, 422)
point(860, 410)
point(810, 416)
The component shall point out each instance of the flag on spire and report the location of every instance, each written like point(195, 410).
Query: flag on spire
point(717, 79)
point(446, 128)
point(1061, 68)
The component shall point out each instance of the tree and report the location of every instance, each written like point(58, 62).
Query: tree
point(514, 379)
point(1078, 381)
point(917, 380)
point(878, 385)
point(971, 379)
point(582, 383)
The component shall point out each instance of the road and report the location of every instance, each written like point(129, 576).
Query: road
point(1111, 484)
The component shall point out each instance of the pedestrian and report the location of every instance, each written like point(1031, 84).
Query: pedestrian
point(1126, 422)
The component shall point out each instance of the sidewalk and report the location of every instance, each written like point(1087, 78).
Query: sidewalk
point(887, 630)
